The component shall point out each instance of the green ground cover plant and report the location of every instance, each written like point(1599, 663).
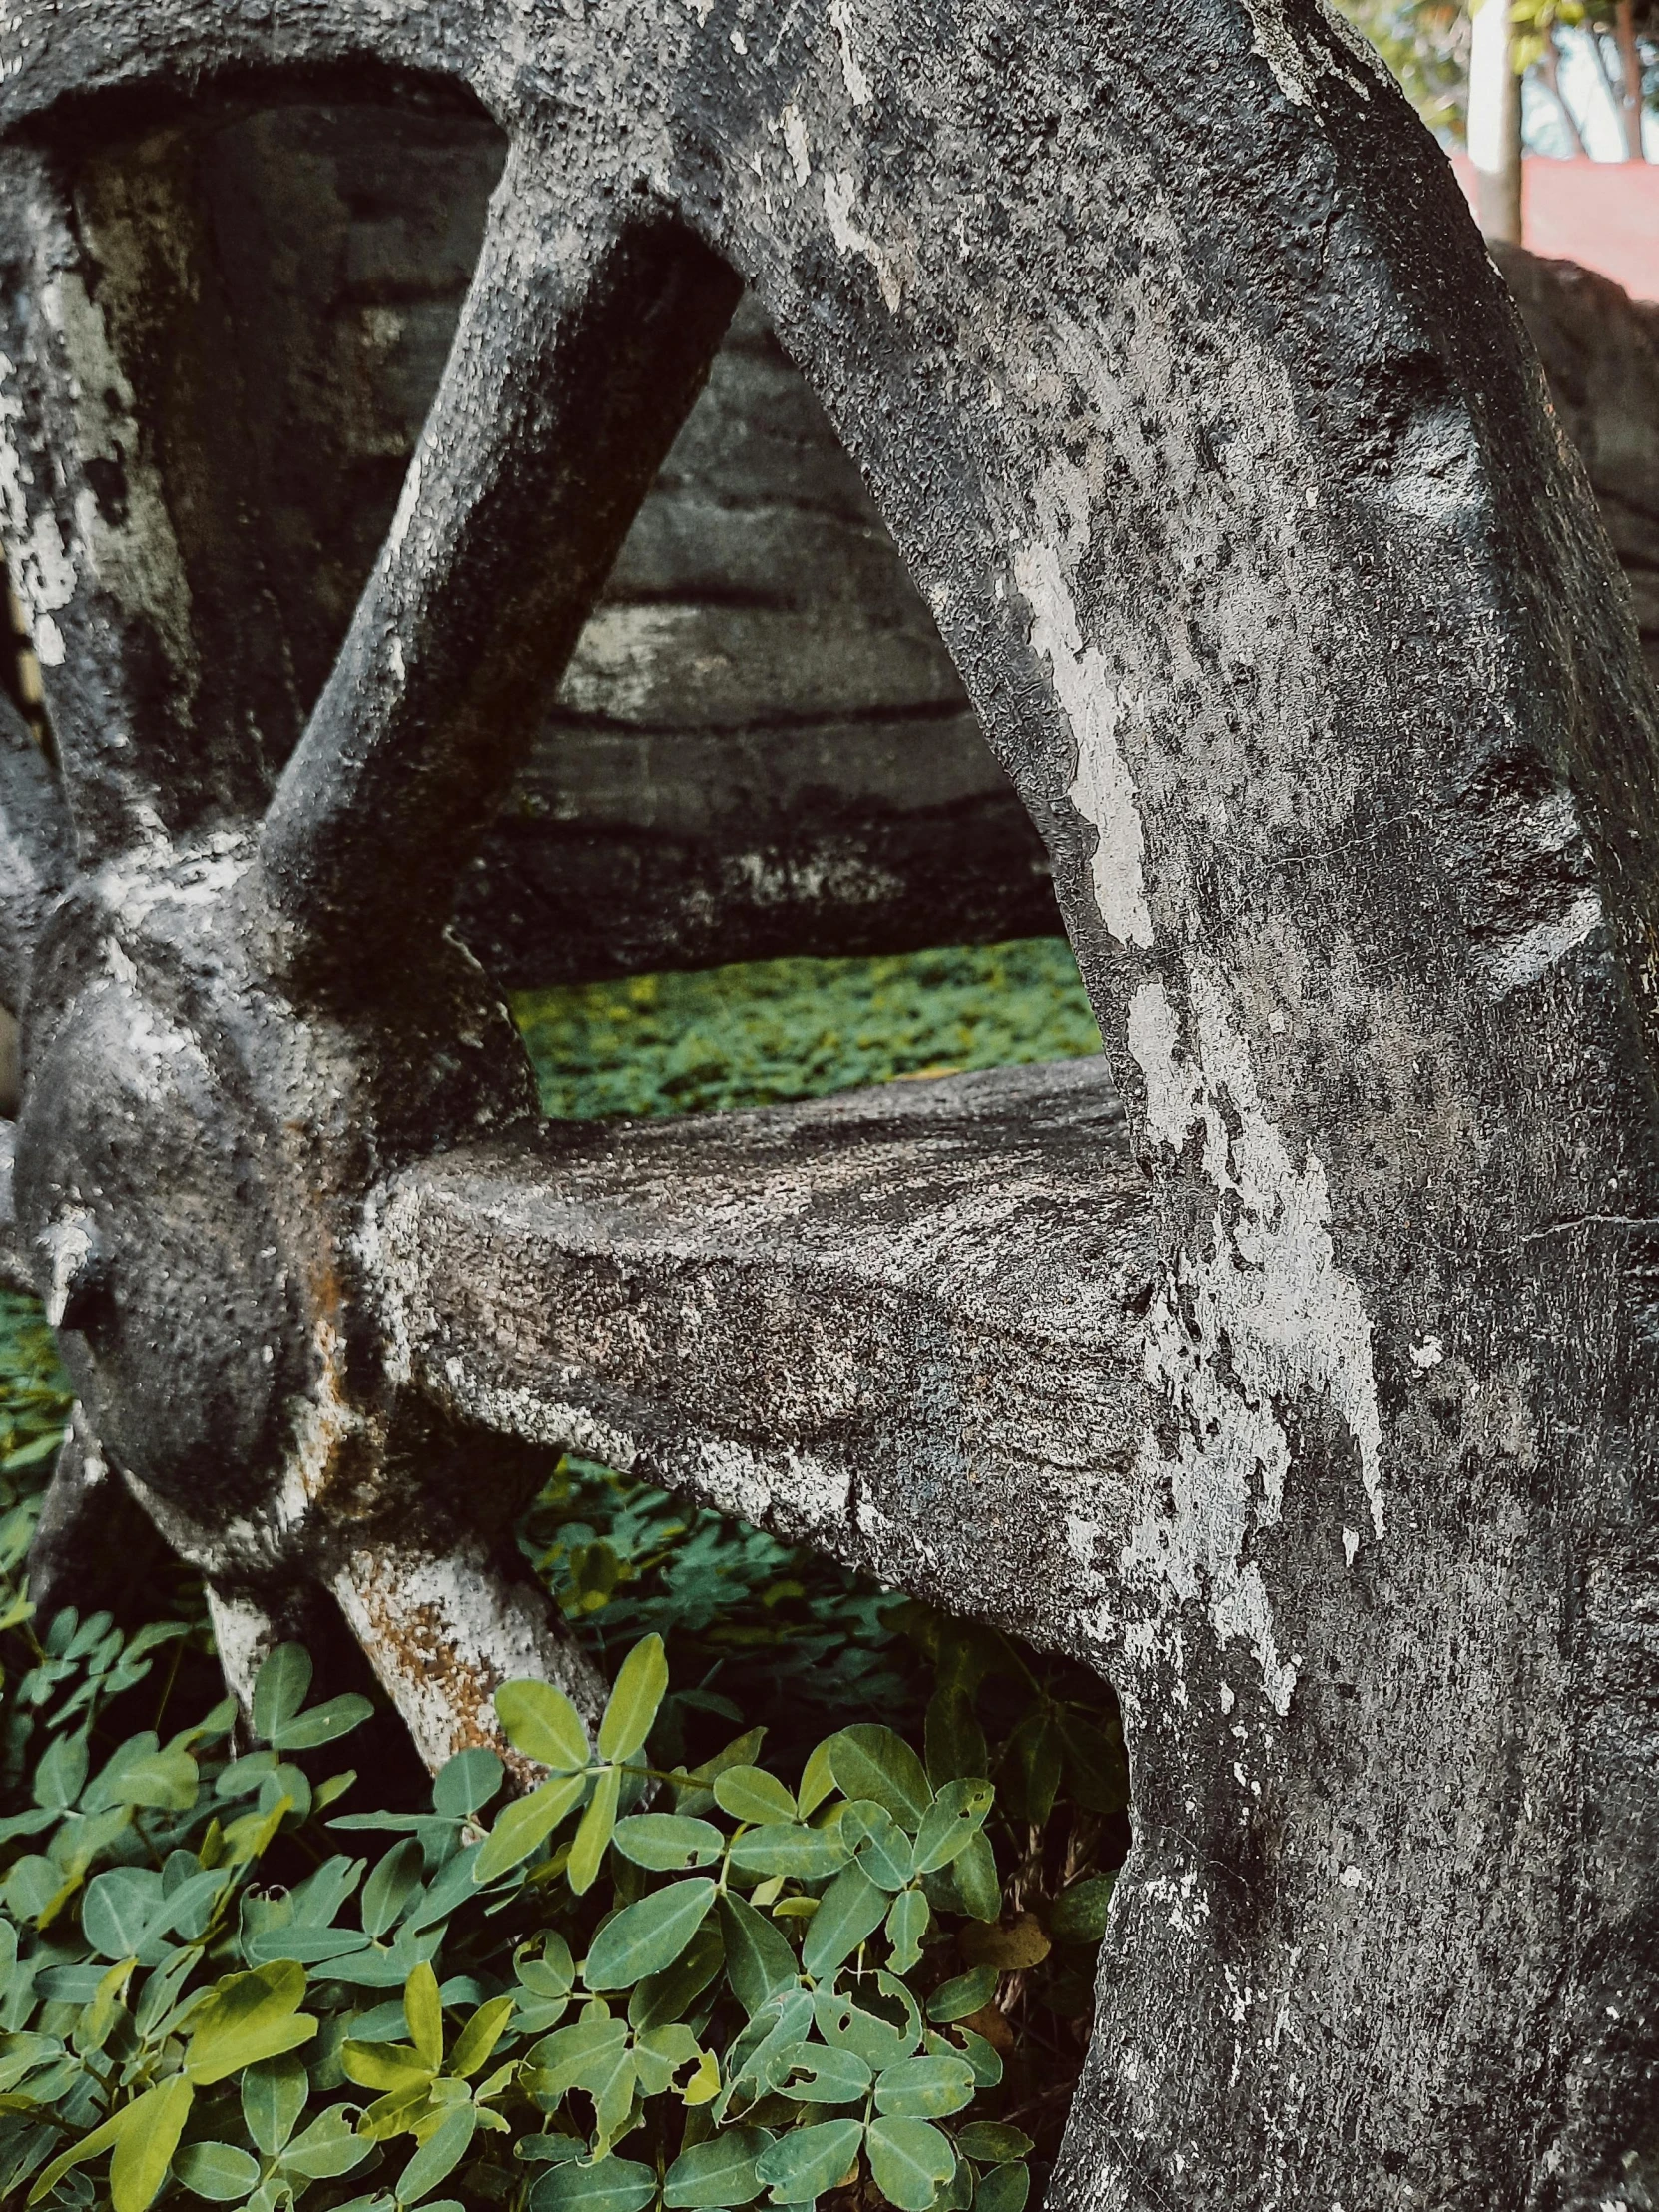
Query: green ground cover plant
point(815, 1918)
point(770, 1030)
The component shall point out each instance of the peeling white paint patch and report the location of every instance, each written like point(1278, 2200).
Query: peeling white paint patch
point(795, 137)
point(1427, 1355)
point(1102, 791)
point(851, 239)
point(1271, 39)
point(1264, 1320)
point(408, 500)
point(1082, 1535)
point(858, 83)
point(1294, 67)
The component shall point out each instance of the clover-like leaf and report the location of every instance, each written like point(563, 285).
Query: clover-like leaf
point(649, 1935)
point(909, 2161)
point(542, 1723)
point(635, 1696)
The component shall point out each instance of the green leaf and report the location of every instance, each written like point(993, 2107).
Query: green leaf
point(218, 2171)
point(827, 2075)
point(466, 1783)
point(910, 2161)
point(694, 1794)
point(983, 2056)
point(1078, 1914)
point(273, 2095)
point(645, 1937)
point(991, 2143)
point(848, 2026)
point(90, 2146)
point(166, 1780)
point(872, 1762)
point(759, 2057)
point(1004, 2189)
point(117, 1908)
point(525, 1825)
point(392, 1885)
point(424, 2010)
point(967, 1994)
point(635, 1697)
point(280, 1689)
point(479, 2037)
point(329, 2149)
point(669, 1995)
point(951, 1821)
point(323, 1723)
point(954, 1739)
point(851, 1908)
point(62, 1773)
point(577, 2057)
point(800, 1853)
point(250, 2016)
point(667, 1843)
point(150, 2133)
point(1097, 1769)
point(817, 1780)
point(592, 1834)
point(388, 2067)
point(924, 2088)
point(808, 2162)
point(718, 2175)
point(977, 1884)
point(906, 1926)
point(758, 1961)
point(542, 1723)
point(750, 1794)
point(613, 2185)
point(1031, 1767)
point(884, 1851)
point(440, 2155)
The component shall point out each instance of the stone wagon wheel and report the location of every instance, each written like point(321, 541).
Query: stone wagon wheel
point(1317, 1410)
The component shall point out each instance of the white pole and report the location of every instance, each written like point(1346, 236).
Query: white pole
point(1496, 120)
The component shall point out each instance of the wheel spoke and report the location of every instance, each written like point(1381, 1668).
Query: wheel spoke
point(444, 1629)
point(34, 851)
point(580, 351)
point(131, 531)
point(899, 1325)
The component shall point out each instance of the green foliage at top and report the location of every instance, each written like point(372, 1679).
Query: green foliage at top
point(770, 1030)
point(636, 1988)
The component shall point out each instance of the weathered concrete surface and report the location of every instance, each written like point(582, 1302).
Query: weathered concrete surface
point(1287, 610)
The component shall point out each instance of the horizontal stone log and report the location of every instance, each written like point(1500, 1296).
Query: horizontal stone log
point(900, 1324)
point(738, 668)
